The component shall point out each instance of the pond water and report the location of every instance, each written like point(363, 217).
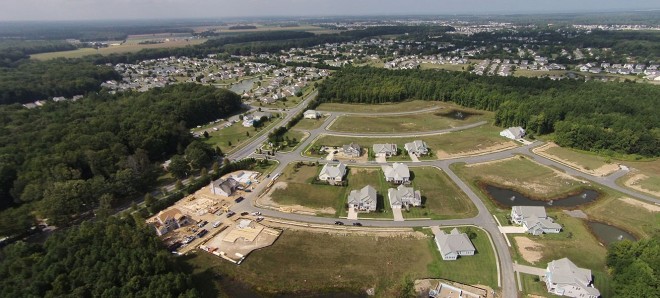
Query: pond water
point(456, 114)
point(509, 198)
point(244, 85)
point(608, 234)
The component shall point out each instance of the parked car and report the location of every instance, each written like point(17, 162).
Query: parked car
point(239, 199)
point(231, 213)
point(339, 223)
point(256, 213)
point(357, 224)
point(175, 246)
point(244, 213)
point(201, 224)
point(202, 233)
point(260, 218)
point(217, 224)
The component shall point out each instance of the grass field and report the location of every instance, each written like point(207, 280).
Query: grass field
point(531, 285)
point(637, 220)
point(300, 191)
point(308, 124)
point(304, 262)
point(585, 160)
point(523, 175)
point(237, 134)
point(123, 48)
point(477, 269)
point(452, 67)
point(463, 141)
point(441, 197)
point(537, 73)
point(413, 105)
point(409, 123)
point(650, 175)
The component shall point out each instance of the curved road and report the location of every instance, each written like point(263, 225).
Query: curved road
point(483, 219)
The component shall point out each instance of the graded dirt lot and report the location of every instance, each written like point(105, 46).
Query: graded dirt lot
point(583, 162)
point(528, 249)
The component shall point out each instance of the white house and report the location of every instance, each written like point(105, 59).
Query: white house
point(333, 174)
point(417, 147)
point(513, 133)
point(224, 187)
point(168, 220)
point(564, 278)
point(397, 173)
point(384, 150)
point(453, 245)
point(404, 196)
point(534, 220)
point(364, 199)
point(311, 114)
point(352, 150)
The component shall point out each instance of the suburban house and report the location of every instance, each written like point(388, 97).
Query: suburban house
point(364, 199)
point(534, 220)
point(385, 150)
point(404, 196)
point(311, 114)
point(333, 174)
point(397, 173)
point(249, 120)
point(454, 244)
point(564, 278)
point(513, 133)
point(168, 220)
point(417, 147)
point(224, 187)
point(352, 150)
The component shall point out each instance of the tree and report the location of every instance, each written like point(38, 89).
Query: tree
point(148, 200)
point(229, 143)
point(198, 154)
point(179, 166)
point(178, 185)
point(206, 134)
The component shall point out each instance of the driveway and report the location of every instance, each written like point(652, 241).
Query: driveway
point(381, 159)
point(398, 216)
point(352, 214)
point(512, 230)
point(413, 157)
point(529, 270)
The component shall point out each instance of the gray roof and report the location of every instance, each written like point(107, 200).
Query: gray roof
point(416, 145)
point(384, 148)
point(516, 131)
point(398, 171)
point(351, 146)
point(453, 242)
point(366, 194)
point(563, 271)
point(227, 185)
point(530, 211)
point(544, 222)
point(396, 195)
point(337, 171)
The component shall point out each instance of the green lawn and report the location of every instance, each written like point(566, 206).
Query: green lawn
point(532, 285)
point(464, 141)
point(587, 161)
point(637, 220)
point(409, 123)
point(651, 175)
point(300, 191)
point(452, 67)
point(478, 269)
point(537, 73)
point(237, 134)
point(361, 177)
point(442, 199)
point(308, 124)
point(413, 105)
point(321, 263)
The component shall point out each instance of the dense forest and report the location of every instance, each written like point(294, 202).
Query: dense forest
point(12, 51)
point(111, 258)
point(64, 159)
point(635, 267)
point(38, 80)
point(596, 116)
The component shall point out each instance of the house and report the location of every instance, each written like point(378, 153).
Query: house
point(397, 173)
point(333, 174)
point(534, 220)
point(513, 133)
point(352, 150)
point(417, 147)
point(168, 220)
point(311, 114)
point(224, 187)
point(384, 150)
point(404, 196)
point(364, 199)
point(454, 244)
point(564, 278)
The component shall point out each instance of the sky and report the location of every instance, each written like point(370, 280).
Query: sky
point(13, 10)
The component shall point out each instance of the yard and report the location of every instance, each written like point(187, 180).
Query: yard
point(470, 141)
point(233, 137)
point(477, 269)
point(413, 105)
point(300, 191)
point(410, 123)
point(308, 124)
point(441, 198)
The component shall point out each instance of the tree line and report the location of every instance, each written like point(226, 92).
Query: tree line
point(634, 267)
point(596, 116)
point(64, 159)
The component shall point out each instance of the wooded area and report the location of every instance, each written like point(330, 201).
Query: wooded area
point(615, 117)
point(111, 258)
point(635, 267)
point(64, 159)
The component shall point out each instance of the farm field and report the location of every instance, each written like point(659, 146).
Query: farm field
point(123, 48)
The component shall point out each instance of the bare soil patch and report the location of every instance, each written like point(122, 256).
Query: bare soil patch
point(490, 149)
point(601, 171)
point(647, 206)
point(633, 182)
point(529, 249)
